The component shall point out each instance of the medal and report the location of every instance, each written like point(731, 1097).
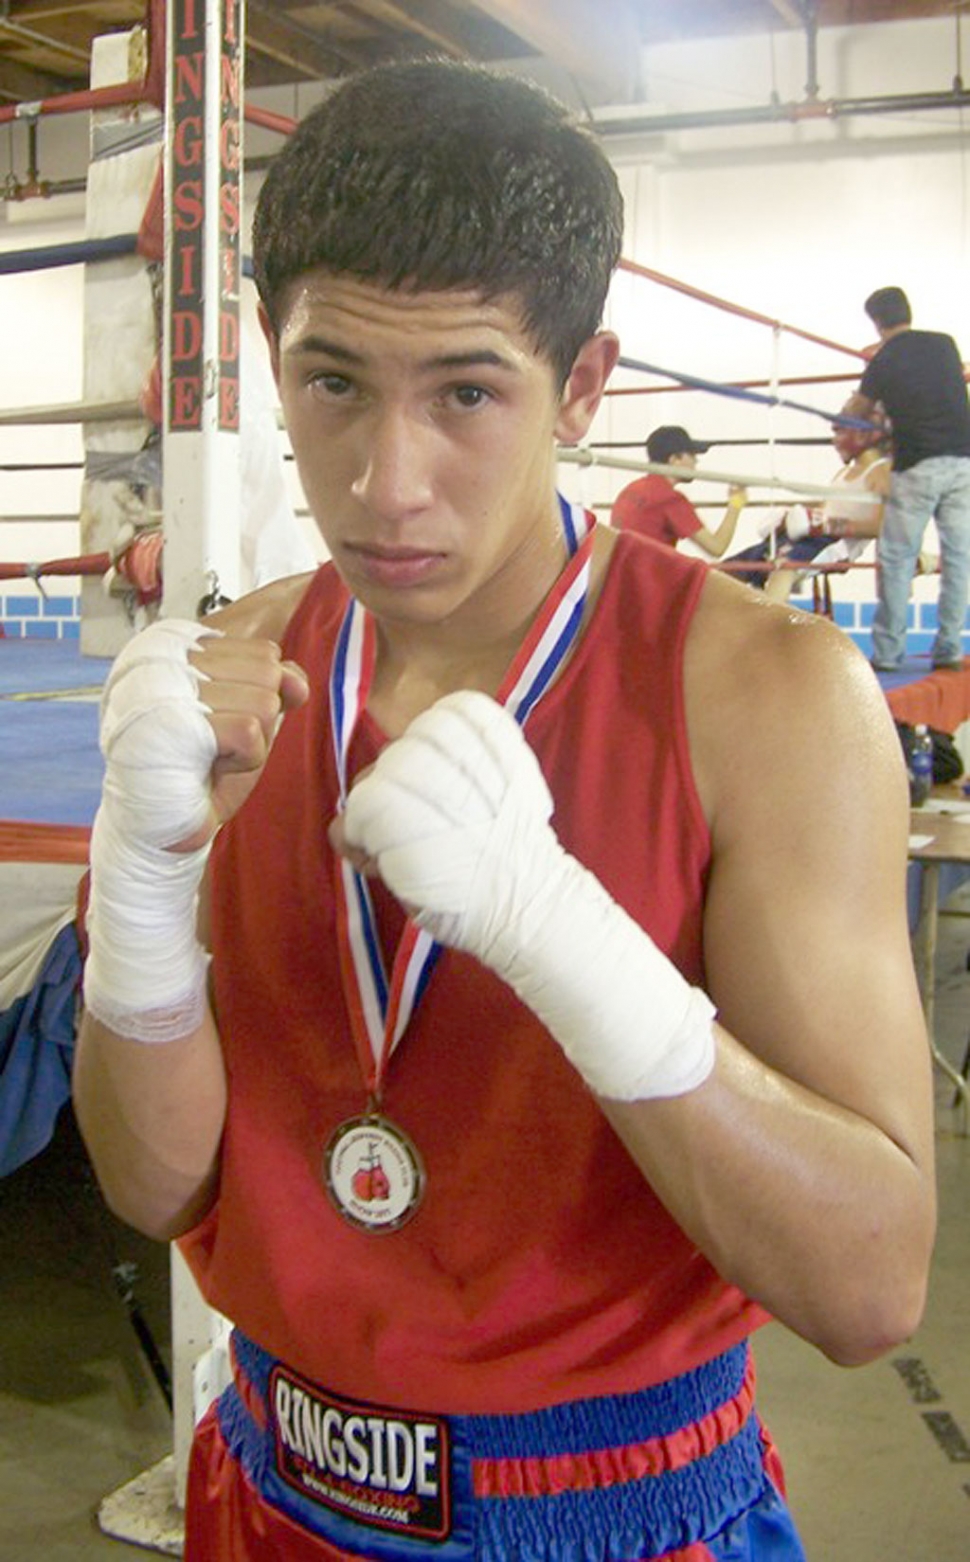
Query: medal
point(373, 1174)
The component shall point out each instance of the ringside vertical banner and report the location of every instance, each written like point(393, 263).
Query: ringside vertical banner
point(203, 183)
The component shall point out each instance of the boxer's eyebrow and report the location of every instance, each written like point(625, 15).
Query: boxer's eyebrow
point(469, 358)
point(322, 346)
point(472, 359)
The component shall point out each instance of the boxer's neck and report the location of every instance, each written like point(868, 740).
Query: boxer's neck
point(419, 663)
point(404, 686)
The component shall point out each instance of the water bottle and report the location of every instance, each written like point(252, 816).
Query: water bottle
point(920, 766)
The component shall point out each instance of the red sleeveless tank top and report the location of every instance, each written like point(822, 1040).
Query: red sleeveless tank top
point(540, 1267)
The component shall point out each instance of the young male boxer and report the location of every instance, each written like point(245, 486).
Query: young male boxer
point(560, 1024)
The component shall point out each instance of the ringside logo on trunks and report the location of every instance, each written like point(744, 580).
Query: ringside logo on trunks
point(388, 1468)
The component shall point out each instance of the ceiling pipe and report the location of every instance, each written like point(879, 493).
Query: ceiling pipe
point(14, 189)
point(778, 113)
point(31, 189)
point(809, 12)
point(811, 106)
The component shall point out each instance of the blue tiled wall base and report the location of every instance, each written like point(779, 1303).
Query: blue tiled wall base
point(856, 619)
point(29, 616)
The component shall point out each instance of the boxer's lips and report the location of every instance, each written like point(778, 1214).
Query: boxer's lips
point(395, 566)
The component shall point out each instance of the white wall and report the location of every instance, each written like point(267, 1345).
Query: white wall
point(40, 355)
point(40, 363)
point(798, 221)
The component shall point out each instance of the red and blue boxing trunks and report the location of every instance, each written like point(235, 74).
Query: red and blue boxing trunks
point(682, 1472)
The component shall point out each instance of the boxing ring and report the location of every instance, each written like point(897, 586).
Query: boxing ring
point(784, 365)
point(133, 538)
point(49, 787)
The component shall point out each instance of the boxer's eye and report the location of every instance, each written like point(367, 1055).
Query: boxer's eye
point(468, 397)
point(331, 386)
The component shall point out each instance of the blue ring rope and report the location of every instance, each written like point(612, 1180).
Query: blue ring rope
point(742, 395)
point(78, 253)
point(75, 254)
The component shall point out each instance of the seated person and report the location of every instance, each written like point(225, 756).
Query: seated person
point(835, 532)
point(652, 507)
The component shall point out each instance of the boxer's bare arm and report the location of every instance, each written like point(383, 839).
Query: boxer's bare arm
point(152, 1114)
point(152, 1120)
point(803, 1167)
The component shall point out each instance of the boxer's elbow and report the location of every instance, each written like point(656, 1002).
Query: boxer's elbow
point(154, 1144)
point(142, 1188)
point(160, 1211)
point(869, 1341)
point(880, 1303)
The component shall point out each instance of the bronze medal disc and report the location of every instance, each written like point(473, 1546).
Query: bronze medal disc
point(373, 1174)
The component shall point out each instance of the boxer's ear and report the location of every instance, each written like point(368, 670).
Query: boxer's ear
point(583, 391)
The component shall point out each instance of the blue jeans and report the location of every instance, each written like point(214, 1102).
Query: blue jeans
point(936, 489)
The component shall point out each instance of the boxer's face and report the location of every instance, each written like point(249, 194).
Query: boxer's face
point(424, 428)
point(848, 444)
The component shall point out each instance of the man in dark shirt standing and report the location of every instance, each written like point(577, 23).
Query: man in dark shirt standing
point(918, 377)
point(652, 507)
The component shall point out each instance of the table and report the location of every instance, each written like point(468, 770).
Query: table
point(916, 693)
point(936, 839)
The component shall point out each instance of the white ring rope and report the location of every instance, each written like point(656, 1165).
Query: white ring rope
point(581, 455)
point(72, 412)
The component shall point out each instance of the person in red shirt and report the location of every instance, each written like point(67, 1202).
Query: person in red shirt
point(652, 507)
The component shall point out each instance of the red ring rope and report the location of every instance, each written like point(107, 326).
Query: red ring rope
point(87, 564)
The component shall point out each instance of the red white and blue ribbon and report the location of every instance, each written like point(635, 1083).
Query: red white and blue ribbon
point(380, 1008)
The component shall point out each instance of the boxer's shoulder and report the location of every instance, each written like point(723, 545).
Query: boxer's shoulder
point(263, 614)
point(770, 693)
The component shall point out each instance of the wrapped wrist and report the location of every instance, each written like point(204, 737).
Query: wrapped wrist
point(146, 973)
point(625, 1017)
point(145, 976)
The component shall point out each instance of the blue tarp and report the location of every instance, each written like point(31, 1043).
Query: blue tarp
point(36, 1049)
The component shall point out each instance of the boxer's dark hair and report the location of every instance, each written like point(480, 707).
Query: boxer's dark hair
point(432, 175)
point(888, 307)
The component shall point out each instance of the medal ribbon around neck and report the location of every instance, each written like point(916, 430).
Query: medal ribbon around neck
point(380, 1009)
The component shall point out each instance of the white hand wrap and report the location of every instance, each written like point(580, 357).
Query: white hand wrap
point(456, 815)
point(146, 972)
